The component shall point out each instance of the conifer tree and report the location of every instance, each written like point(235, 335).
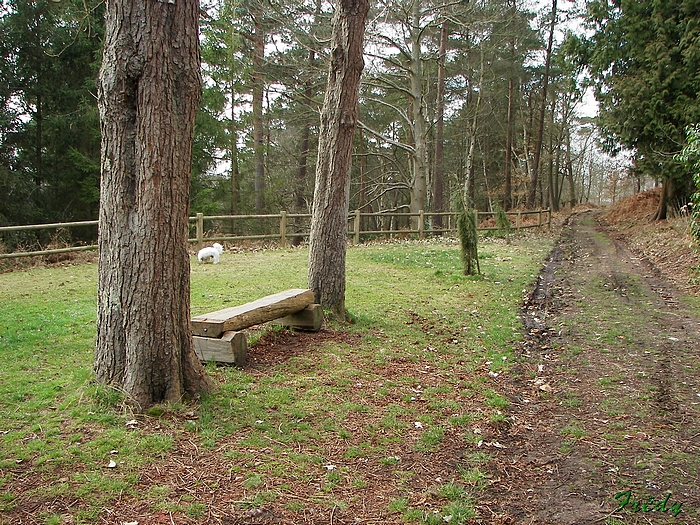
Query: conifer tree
point(469, 239)
point(644, 60)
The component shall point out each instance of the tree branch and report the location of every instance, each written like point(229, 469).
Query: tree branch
point(386, 139)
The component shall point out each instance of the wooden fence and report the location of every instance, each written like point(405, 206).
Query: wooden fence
point(293, 225)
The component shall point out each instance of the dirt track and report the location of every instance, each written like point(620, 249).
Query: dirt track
point(605, 413)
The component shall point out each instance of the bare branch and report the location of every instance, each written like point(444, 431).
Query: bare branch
point(384, 80)
point(386, 139)
point(401, 112)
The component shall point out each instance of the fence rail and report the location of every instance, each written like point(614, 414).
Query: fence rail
point(356, 220)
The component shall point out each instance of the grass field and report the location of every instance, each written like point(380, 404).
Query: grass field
point(408, 378)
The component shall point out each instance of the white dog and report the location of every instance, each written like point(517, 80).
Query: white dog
point(210, 252)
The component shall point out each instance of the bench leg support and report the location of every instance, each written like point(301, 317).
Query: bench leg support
point(310, 318)
point(230, 348)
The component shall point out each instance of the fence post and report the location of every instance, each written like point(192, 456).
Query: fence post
point(283, 229)
point(421, 224)
point(517, 221)
point(549, 222)
point(356, 227)
point(539, 222)
point(200, 230)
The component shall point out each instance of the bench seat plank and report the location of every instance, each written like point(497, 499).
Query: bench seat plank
point(263, 310)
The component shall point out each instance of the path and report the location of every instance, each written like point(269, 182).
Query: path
point(607, 399)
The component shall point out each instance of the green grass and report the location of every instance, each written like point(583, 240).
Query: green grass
point(425, 336)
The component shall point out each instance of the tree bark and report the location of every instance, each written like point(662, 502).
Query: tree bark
point(508, 185)
point(419, 186)
point(258, 131)
point(149, 91)
point(439, 130)
point(470, 186)
point(552, 200)
point(570, 169)
point(234, 169)
point(532, 190)
point(328, 239)
point(666, 194)
point(302, 170)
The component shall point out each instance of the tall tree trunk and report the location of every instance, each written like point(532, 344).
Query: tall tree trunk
point(532, 190)
point(419, 186)
point(149, 91)
point(300, 183)
point(39, 119)
point(470, 189)
point(365, 205)
point(39, 113)
point(439, 130)
point(508, 185)
point(301, 175)
point(300, 179)
point(549, 201)
point(552, 166)
point(258, 139)
point(234, 168)
point(328, 241)
point(666, 194)
point(570, 168)
point(527, 138)
point(558, 184)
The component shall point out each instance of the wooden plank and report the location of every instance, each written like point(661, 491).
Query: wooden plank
point(230, 348)
point(268, 308)
point(310, 318)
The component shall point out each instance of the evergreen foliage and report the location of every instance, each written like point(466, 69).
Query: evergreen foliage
point(50, 134)
point(502, 222)
point(469, 239)
point(691, 157)
point(643, 58)
point(49, 124)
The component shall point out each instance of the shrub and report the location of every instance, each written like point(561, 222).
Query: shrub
point(691, 156)
point(466, 228)
point(502, 222)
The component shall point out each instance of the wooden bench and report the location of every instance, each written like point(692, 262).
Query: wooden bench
point(218, 336)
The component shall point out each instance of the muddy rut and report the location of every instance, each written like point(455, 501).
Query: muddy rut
point(605, 405)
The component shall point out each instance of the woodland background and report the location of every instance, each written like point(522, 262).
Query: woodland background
point(475, 98)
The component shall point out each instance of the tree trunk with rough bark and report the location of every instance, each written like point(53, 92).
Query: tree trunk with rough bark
point(666, 194)
point(258, 128)
point(439, 130)
point(149, 91)
point(532, 190)
point(300, 180)
point(570, 170)
point(328, 239)
point(508, 184)
point(469, 183)
point(419, 185)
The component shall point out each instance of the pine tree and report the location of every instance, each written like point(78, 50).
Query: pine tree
point(327, 245)
point(149, 93)
point(49, 127)
point(469, 239)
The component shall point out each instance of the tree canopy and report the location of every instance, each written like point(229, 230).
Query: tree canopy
point(452, 99)
point(49, 126)
point(644, 58)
